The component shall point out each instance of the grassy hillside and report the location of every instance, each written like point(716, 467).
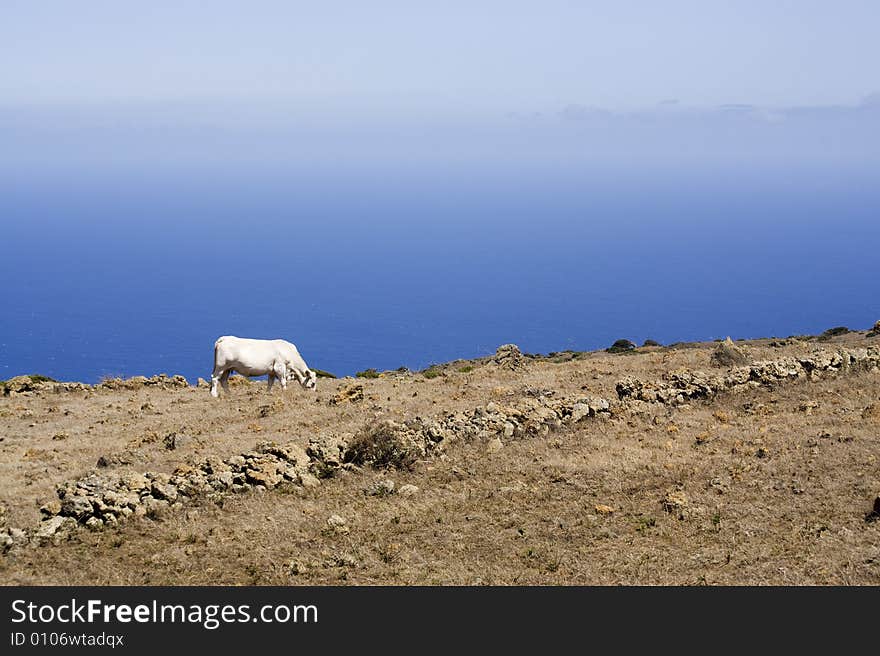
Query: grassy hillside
point(770, 482)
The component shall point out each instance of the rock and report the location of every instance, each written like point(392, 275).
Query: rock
point(18, 535)
point(134, 482)
point(602, 509)
point(121, 499)
point(494, 445)
point(266, 475)
point(728, 354)
point(51, 508)
point(327, 453)
point(631, 387)
point(509, 356)
point(164, 491)
point(53, 526)
point(154, 507)
point(408, 490)
point(201, 383)
point(308, 480)
point(94, 524)
point(10, 537)
point(621, 346)
point(675, 503)
point(579, 411)
point(337, 524)
point(348, 394)
point(221, 480)
point(875, 331)
point(162, 380)
point(78, 507)
point(380, 488)
point(291, 453)
point(22, 384)
point(236, 462)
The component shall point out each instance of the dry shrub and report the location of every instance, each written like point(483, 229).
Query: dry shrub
point(386, 444)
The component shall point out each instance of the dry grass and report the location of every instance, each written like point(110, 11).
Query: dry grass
point(763, 487)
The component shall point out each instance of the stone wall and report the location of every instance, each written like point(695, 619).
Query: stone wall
point(682, 385)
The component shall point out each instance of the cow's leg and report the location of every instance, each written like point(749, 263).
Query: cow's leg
point(281, 373)
point(224, 380)
point(298, 375)
point(215, 379)
point(271, 381)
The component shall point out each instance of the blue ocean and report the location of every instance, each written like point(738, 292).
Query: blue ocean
point(115, 266)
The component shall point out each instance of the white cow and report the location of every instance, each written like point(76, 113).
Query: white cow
point(256, 357)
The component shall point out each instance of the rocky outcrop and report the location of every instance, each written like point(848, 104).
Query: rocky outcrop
point(99, 500)
point(682, 385)
point(10, 536)
point(135, 382)
point(728, 354)
point(25, 384)
point(22, 384)
point(510, 357)
point(348, 394)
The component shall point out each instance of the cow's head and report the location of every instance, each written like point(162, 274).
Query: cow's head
point(310, 381)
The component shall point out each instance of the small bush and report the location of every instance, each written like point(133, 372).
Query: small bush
point(651, 342)
point(38, 378)
point(621, 346)
point(465, 370)
point(367, 373)
point(384, 444)
point(432, 372)
point(834, 332)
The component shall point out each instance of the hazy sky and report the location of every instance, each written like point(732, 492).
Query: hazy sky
point(450, 57)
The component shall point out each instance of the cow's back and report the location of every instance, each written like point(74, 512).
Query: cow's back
point(255, 352)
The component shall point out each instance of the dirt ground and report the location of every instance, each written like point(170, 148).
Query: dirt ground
point(766, 486)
